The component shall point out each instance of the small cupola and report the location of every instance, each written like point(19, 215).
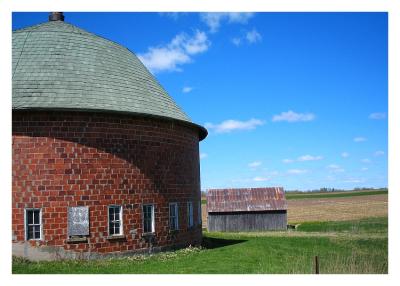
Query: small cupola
point(56, 16)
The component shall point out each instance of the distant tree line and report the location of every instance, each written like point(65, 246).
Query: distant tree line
point(327, 190)
point(322, 190)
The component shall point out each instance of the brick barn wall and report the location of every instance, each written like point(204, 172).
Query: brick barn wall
point(62, 159)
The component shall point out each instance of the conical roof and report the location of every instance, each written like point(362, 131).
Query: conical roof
point(59, 66)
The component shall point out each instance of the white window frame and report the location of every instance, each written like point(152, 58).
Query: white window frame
point(121, 223)
point(152, 218)
point(175, 217)
point(26, 223)
point(190, 222)
point(199, 218)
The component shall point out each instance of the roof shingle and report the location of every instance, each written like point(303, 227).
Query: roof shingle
point(56, 65)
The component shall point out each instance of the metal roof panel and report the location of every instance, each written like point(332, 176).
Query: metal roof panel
point(246, 199)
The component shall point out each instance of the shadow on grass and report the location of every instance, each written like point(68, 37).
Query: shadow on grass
point(211, 243)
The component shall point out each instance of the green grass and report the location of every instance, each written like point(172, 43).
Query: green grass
point(316, 195)
point(368, 225)
point(231, 253)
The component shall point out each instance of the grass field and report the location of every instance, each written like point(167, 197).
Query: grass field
point(364, 251)
point(299, 196)
point(374, 225)
point(347, 233)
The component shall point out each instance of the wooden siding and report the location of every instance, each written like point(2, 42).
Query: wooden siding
point(247, 221)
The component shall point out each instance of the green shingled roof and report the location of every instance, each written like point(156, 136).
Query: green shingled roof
point(59, 66)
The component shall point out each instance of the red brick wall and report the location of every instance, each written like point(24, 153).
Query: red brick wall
point(63, 159)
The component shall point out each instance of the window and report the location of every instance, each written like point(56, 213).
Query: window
point(148, 218)
point(199, 213)
point(33, 224)
point(190, 214)
point(115, 220)
point(173, 216)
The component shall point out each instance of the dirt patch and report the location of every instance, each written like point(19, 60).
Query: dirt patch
point(337, 209)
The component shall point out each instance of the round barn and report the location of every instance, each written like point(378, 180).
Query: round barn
point(103, 160)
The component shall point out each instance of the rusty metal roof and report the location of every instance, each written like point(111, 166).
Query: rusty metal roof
point(244, 200)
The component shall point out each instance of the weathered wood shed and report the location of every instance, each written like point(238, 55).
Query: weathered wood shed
point(255, 209)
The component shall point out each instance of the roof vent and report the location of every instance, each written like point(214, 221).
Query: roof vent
point(56, 16)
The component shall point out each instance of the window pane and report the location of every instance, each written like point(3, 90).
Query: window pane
point(199, 218)
point(37, 234)
point(33, 224)
point(190, 214)
point(111, 227)
point(29, 215)
point(114, 215)
point(111, 213)
point(36, 216)
point(30, 232)
point(147, 218)
point(173, 216)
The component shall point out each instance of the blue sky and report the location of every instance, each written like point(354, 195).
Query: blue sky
point(297, 100)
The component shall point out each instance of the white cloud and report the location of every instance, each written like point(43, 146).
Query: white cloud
point(335, 168)
point(232, 125)
point(353, 180)
point(359, 139)
point(255, 164)
point(377, 115)
point(297, 171)
point(237, 41)
point(303, 158)
point(379, 153)
point(253, 36)
point(345, 154)
point(309, 158)
point(203, 155)
point(236, 17)
point(187, 89)
point(214, 20)
point(292, 116)
point(260, 179)
point(178, 52)
point(173, 15)
point(364, 169)
point(366, 160)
